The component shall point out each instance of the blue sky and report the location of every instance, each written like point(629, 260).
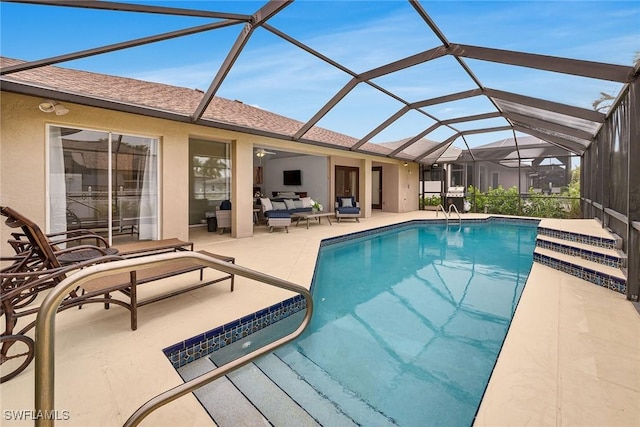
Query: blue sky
point(274, 75)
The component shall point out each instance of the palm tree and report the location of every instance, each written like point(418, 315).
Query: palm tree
point(604, 102)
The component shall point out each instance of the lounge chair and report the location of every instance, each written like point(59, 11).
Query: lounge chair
point(37, 267)
point(347, 207)
point(74, 238)
point(223, 219)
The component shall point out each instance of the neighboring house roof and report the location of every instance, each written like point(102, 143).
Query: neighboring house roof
point(511, 142)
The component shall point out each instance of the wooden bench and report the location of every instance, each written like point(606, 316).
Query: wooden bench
point(127, 282)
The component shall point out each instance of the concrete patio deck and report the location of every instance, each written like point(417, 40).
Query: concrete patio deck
point(572, 356)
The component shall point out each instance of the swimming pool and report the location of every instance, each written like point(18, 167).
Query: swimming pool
point(411, 320)
point(407, 326)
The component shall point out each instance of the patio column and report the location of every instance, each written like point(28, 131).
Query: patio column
point(365, 187)
point(241, 189)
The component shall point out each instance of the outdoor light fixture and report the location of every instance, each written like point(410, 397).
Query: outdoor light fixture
point(49, 106)
point(261, 152)
point(405, 164)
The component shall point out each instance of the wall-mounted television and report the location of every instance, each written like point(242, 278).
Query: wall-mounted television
point(292, 177)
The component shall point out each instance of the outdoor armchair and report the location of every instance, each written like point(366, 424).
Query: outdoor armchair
point(347, 207)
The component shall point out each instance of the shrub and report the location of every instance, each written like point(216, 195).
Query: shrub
point(477, 199)
point(430, 201)
point(508, 202)
point(544, 206)
point(501, 201)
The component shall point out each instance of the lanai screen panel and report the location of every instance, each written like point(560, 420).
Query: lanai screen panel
point(547, 115)
point(618, 140)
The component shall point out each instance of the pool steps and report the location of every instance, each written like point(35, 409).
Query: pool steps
point(592, 254)
point(270, 392)
point(221, 399)
point(287, 366)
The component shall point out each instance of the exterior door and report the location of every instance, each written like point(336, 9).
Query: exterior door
point(103, 181)
point(376, 187)
point(347, 181)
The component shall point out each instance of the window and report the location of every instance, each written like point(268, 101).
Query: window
point(103, 181)
point(457, 175)
point(495, 179)
point(210, 178)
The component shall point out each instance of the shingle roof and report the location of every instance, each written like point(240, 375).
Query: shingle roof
point(174, 99)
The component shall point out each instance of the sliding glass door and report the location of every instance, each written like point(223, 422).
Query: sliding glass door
point(103, 181)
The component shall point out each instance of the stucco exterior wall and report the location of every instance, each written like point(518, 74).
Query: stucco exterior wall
point(507, 177)
point(23, 169)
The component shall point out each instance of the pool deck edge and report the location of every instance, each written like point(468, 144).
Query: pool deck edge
point(571, 357)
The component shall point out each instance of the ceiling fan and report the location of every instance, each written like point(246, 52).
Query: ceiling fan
point(261, 152)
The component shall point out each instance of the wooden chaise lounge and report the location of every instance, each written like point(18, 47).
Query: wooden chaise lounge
point(126, 283)
point(37, 266)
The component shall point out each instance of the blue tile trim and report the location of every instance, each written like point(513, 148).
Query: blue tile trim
point(596, 277)
point(600, 242)
point(604, 259)
point(529, 222)
point(201, 345)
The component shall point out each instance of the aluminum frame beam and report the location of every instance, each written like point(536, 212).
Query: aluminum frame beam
point(130, 7)
point(542, 104)
point(523, 122)
point(260, 17)
point(114, 47)
point(415, 139)
point(401, 112)
point(595, 70)
point(554, 140)
point(554, 127)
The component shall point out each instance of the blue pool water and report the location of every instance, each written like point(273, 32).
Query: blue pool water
point(411, 320)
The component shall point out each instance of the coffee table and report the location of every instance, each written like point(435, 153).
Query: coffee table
point(309, 215)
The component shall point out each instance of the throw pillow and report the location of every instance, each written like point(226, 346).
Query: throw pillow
point(289, 203)
point(306, 202)
point(266, 203)
point(279, 206)
point(345, 202)
point(298, 204)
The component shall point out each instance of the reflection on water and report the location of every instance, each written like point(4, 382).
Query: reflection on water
point(412, 321)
